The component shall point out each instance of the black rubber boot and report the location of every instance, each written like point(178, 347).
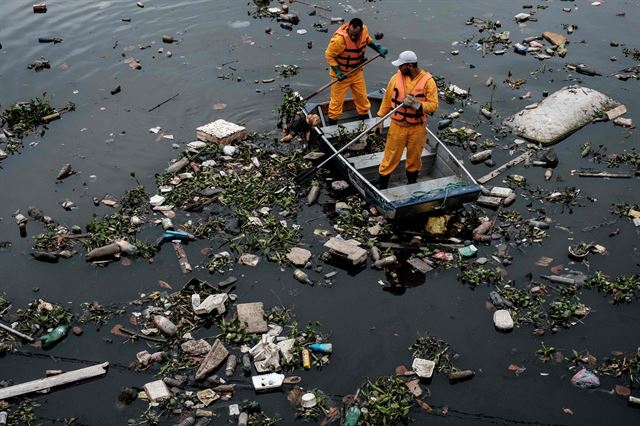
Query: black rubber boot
point(383, 181)
point(363, 116)
point(332, 122)
point(412, 177)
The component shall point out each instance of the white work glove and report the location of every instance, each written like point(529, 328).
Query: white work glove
point(411, 102)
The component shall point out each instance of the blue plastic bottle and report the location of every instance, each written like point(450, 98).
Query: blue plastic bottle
point(324, 348)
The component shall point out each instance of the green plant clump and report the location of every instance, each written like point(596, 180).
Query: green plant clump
point(41, 316)
point(563, 310)
point(292, 103)
point(387, 401)
point(135, 201)
point(623, 289)
point(24, 117)
point(22, 413)
point(474, 276)
point(622, 364)
point(111, 228)
point(355, 222)
point(235, 332)
point(273, 238)
point(622, 209)
point(527, 307)
point(321, 408)
point(434, 349)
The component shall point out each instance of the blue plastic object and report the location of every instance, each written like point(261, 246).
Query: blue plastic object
point(325, 348)
point(177, 235)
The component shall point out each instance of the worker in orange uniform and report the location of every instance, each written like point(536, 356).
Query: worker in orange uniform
point(415, 89)
point(346, 51)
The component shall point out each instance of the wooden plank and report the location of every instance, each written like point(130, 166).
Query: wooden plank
point(252, 314)
point(398, 176)
point(519, 159)
point(51, 382)
point(348, 105)
point(183, 261)
point(407, 191)
point(409, 247)
point(369, 160)
point(605, 175)
point(17, 333)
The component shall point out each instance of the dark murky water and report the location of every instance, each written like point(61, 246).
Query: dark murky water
point(371, 329)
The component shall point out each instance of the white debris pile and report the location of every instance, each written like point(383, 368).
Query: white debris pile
point(220, 131)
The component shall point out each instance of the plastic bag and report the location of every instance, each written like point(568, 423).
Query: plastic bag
point(585, 379)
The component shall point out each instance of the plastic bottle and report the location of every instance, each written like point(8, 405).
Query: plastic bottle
point(313, 195)
point(231, 365)
point(352, 416)
point(170, 235)
point(189, 421)
point(56, 335)
point(104, 251)
point(167, 224)
point(306, 359)
point(496, 299)
point(385, 261)
point(302, 277)
point(243, 419)
point(246, 364)
point(165, 325)
point(325, 348)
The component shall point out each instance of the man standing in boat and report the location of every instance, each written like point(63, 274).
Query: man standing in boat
point(417, 91)
point(345, 52)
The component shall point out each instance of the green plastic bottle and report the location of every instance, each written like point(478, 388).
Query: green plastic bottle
point(352, 416)
point(57, 334)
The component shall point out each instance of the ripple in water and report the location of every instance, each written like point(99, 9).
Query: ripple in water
point(239, 24)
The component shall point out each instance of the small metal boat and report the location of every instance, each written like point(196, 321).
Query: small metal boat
point(443, 182)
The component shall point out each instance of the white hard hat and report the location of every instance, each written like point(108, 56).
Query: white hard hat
point(406, 57)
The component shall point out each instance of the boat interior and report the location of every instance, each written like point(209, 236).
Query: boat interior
point(439, 168)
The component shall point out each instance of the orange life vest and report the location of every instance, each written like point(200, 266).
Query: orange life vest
point(410, 115)
point(353, 54)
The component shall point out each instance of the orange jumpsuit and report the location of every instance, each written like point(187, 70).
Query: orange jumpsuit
point(338, 47)
point(402, 133)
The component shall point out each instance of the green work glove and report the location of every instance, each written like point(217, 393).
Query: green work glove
point(339, 74)
point(378, 48)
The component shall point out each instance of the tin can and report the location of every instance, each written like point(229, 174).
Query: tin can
point(306, 359)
